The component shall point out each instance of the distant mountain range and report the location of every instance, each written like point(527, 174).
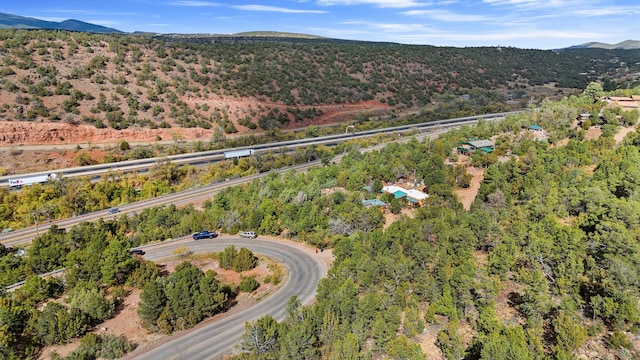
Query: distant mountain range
point(22, 22)
point(625, 45)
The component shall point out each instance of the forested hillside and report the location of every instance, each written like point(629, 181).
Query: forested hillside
point(545, 264)
point(122, 81)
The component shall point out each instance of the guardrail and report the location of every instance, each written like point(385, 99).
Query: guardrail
point(218, 155)
point(13, 287)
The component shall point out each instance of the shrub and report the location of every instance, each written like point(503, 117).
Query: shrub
point(618, 340)
point(114, 347)
point(244, 260)
point(248, 284)
point(124, 145)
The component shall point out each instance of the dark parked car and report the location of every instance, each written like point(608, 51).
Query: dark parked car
point(136, 252)
point(113, 211)
point(204, 235)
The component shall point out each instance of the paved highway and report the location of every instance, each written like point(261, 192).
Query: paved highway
point(206, 157)
point(179, 199)
point(218, 338)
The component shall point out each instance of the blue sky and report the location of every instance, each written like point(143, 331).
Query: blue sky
point(540, 24)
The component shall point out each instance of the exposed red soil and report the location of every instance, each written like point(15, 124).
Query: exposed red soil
point(13, 133)
point(468, 195)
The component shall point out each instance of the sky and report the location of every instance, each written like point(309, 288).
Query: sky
point(529, 24)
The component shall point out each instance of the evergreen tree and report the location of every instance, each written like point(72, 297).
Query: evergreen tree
point(152, 302)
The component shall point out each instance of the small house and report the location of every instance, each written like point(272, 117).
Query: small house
point(582, 118)
point(396, 191)
point(535, 129)
point(473, 146)
point(626, 103)
point(412, 195)
point(416, 196)
point(374, 202)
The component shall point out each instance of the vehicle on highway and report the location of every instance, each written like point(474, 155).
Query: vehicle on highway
point(113, 211)
point(204, 234)
point(30, 180)
point(248, 234)
point(136, 252)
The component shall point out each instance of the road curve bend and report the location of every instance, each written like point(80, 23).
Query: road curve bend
point(218, 338)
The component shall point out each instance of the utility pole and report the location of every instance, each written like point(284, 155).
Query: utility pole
point(35, 220)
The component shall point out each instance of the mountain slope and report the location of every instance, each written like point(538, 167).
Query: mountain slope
point(184, 86)
point(22, 22)
point(624, 45)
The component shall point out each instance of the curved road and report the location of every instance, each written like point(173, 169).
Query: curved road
point(215, 340)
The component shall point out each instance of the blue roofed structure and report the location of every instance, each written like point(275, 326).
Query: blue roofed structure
point(373, 202)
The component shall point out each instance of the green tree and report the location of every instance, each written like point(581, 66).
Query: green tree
point(248, 284)
point(210, 297)
point(382, 332)
point(244, 260)
point(569, 334)
point(401, 348)
point(508, 344)
point(181, 287)
point(260, 337)
point(450, 342)
point(227, 257)
point(56, 325)
point(93, 302)
point(152, 302)
point(116, 264)
point(298, 342)
point(35, 290)
point(13, 322)
point(593, 91)
point(413, 322)
point(346, 348)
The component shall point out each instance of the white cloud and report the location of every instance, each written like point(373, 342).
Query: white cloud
point(47, 18)
point(379, 3)
point(195, 3)
point(513, 2)
point(392, 27)
point(276, 9)
point(103, 22)
point(92, 12)
point(608, 11)
point(510, 35)
point(539, 4)
point(448, 16)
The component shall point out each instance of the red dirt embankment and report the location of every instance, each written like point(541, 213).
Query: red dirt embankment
point(14, 133)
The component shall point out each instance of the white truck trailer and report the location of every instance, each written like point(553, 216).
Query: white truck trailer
point(234, 154)
point(30, 180)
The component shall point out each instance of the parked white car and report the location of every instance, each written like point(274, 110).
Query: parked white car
point(248, 234)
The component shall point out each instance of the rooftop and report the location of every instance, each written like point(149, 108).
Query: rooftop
point(416, 194)
point(373, 202)
point(481, 143)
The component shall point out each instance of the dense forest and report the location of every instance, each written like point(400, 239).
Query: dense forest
point(545, 264)
point(122, 81)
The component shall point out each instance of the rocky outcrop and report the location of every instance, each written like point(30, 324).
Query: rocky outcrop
point(35, 133)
